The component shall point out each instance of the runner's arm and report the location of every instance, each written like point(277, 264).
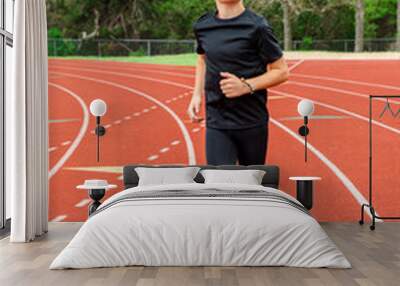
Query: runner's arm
point(232, 86)
point(195, 104)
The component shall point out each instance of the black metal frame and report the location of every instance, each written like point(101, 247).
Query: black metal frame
point(370, 203)
point(305, 131)
point(99, 131)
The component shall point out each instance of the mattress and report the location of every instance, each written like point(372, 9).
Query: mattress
point(201, 225)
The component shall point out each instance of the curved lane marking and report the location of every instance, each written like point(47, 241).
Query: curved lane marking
point(129, 75)
point(189, 87)
point(335, 169)
point(348, 81)
point(80, 135)
point(338, 90)
point(338, 109)
point(185, 133)
point(165, 72)
point(296, 64)
point(342, 177)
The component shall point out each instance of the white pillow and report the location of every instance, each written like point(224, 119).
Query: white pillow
point(248, 177)
point(166, 176)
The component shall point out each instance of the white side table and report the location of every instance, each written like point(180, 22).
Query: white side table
point(304, 190)
point(96, 190)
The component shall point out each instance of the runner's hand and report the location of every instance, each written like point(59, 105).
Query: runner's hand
point(232, 86)
point(194, 109)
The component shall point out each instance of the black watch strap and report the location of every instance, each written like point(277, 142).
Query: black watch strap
point(248, 85)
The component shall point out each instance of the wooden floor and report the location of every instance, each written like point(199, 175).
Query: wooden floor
point(375, 257)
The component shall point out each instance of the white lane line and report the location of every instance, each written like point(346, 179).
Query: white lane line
point(174, 99)
point(168, 101)
point(170, 72)
point(127, 118)
point(164, 150)
point(59, 218)
point(341, 110)
point(101, 169)
point(294, 66)
point(176, 142)
point(136, 114)
point(185, 86)
point(182, 127)
point(342, 177)
point(52, 149)
point(195, 130)
point(120, 178)
point(63, 120)
point(276, 97)
point(151, 79)
point(189, 72)
point(314, 117)
point(145, 110)
point(166, 72)
point(338, 90)
point(153, 157)
point(339, 174)
point(83, 203)
point(348, 81)
point(66, 143)
point(116, 122)
point(79, 137)
point(180, 96)
point(153, 107)
point(107, 126)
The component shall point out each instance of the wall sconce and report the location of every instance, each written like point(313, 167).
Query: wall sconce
point(98, 108)
point(305, 109)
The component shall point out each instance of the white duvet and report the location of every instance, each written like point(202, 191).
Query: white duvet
point(200, 232)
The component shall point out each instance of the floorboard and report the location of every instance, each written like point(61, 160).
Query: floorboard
point(375, 257)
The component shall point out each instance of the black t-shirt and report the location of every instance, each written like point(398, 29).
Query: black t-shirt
point(244, 46)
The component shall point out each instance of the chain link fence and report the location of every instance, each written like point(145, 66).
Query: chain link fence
point(118, 47)
point(346, 45)
point(135, 47)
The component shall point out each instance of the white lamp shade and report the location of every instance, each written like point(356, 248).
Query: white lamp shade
point(305, 108)
point(98, 107)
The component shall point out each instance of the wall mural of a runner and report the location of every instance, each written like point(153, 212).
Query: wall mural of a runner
point(148, 86)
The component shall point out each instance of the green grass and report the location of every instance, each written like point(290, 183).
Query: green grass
point(180, 60)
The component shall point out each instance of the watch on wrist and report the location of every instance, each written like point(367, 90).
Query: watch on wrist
point(244, 81)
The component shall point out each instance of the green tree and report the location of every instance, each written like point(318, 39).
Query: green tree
point(380, 18)
point(398, 27)
point(304, 20)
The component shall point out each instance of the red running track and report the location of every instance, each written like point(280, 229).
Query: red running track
point(147, 123)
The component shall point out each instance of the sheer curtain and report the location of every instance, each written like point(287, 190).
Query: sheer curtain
point(27, 124)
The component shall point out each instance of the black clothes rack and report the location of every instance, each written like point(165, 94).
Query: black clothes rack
point(370, 205)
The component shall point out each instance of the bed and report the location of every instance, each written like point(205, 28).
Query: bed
point(198, 224)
